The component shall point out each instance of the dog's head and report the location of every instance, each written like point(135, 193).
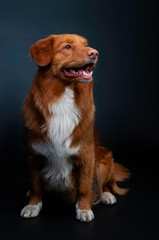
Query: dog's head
point(68, 55)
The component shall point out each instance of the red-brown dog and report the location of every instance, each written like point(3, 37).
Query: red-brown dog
point(62, 138)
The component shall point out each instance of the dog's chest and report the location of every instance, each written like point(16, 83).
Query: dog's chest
point(65, 117)
point(57, 150)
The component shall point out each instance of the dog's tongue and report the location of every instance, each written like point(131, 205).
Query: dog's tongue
point(80, 71)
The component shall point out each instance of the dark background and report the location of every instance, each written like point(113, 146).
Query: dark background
point(126, 88)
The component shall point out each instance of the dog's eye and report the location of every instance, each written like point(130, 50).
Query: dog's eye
point(67, 46)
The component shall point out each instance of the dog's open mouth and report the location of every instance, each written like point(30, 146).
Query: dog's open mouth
point(84, 72)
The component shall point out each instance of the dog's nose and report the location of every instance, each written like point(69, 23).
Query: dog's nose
point(92, 54)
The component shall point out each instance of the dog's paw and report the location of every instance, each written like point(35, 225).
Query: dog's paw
point(84, 215)
point(108, 198)
point(30, 211)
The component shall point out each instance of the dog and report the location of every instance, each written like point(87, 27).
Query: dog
point(62, 138)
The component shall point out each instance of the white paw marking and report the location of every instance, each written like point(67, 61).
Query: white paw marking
point(84, 215)
point(31, 210)
point(108, 198)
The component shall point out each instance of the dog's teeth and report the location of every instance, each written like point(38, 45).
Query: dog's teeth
point(91, 72)
point(73, 71)
point(84, 73)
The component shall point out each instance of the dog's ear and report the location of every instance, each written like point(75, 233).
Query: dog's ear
point(42, 51)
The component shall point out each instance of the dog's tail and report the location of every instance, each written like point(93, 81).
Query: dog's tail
point(120, 174)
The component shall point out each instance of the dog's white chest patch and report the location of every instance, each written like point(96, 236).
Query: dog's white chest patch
point(57, 150)
point(65, 118)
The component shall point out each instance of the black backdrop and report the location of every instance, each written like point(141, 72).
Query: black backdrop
point(126, 88)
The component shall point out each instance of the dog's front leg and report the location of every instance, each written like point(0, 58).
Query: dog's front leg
point(85, 170)
point(33, 208)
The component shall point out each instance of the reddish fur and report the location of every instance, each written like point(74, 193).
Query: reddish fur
point(121, 173)
point(94, 165)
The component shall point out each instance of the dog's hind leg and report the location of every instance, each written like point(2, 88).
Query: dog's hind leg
point(107, 197)
point(106, 174)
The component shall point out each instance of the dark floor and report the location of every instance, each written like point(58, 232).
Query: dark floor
point(134, 216)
